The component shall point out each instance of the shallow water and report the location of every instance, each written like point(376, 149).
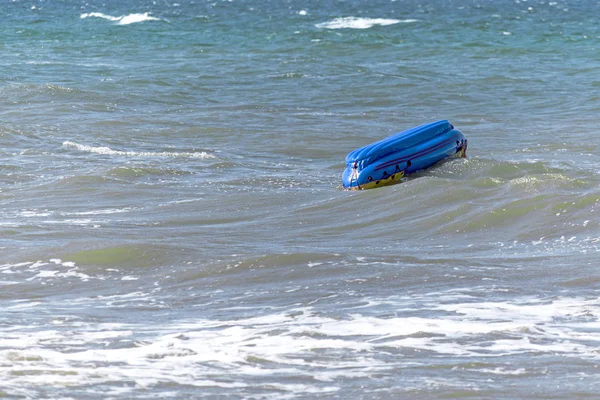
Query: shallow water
point(173, 224)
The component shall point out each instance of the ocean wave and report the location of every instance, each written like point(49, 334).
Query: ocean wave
point(111, 152)
point(123, 19)
point(360, 23)
point(461, 333)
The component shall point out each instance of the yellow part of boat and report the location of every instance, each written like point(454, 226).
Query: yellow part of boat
point(390, 180)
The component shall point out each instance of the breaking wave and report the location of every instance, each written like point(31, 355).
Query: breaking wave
point(108, 151)
point(123, 19)
point(360, 23)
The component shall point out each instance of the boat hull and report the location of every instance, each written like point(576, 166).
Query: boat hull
point(387, 161)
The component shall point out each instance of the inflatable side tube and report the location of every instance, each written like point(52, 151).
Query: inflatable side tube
point(400, 141)
point(387, 161)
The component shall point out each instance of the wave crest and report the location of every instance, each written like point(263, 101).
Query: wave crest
point(108, 151)
point(123, 19)
point(360, 23)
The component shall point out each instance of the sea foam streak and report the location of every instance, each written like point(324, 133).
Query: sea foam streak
point(111, 152)
point(360, 23)
point(42, 271)
point(123, 19)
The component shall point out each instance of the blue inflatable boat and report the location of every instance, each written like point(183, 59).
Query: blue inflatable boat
point(387, 161)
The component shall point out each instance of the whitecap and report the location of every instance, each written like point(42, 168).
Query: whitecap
point(100, 15)
point(133, 18)
point(111, 152)
point(360, 23)
point(123, 19)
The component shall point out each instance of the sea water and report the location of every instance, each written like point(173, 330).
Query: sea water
point(172, 223)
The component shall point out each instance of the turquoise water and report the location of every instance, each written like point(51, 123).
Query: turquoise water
point(173, 225)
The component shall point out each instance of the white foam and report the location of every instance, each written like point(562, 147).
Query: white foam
point(504, 371)
point(100, 212)
point(123, 19)
point(34, 213)
point(50, 272)
point(288, 343)
point(133, 18)
point(108, 151)
point(100, 15)
point(360, 23)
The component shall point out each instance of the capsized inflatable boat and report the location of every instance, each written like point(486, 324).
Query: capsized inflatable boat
point(387, 161)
